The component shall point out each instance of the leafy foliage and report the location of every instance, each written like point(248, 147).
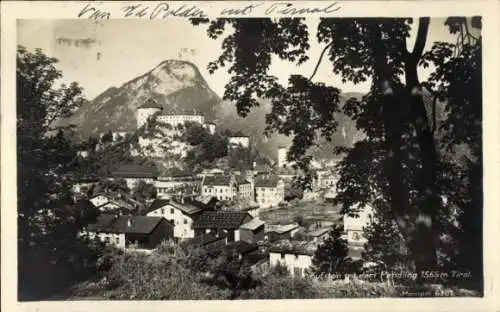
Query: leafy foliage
point(332, 255)
point(50, 253)
point(398, 162)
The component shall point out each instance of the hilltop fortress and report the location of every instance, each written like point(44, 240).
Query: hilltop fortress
point(151, 108)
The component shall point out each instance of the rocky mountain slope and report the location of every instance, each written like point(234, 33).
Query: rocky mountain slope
point(254, 124)
point(176, 85)
point(179, 87)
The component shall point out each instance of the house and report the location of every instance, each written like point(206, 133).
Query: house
point(245, 205)
point(126, 231)
point(117, 206)
point(221, 222)
point(330, 194)
point(210, 127)
point(83, 185)
point(269, 190)
point(244, 187)
point(276, 232)
point(205, 202)
point(319, 235)
point(295, 256)
point(261, 169)
point(287, 174)
point(327, 180)
point(132, 174)
point(168, 185)
point(181, 215)
point(252, 231)
point(210, 172)
point(282, 156)
point(223, 187)
point(235, 141)
point(207, 241)
point(119, 202)
point(353, 225)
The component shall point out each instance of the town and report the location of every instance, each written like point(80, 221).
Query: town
point(218, 208)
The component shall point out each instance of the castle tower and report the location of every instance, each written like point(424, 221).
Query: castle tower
point(282, 156)
point(146, 110)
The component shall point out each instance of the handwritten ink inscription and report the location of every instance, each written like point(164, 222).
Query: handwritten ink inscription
point(241, 11)
point(165, 10)
point(288, 8)
point(91, 12)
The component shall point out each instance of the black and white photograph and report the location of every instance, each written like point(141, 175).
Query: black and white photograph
point(224, 157)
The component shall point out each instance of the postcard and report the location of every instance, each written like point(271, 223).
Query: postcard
point(267, 155)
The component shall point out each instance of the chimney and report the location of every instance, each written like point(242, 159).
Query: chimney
point(129, 222)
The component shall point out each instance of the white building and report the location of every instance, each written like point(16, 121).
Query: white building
point(282, 157)
point(269, 190)
point(223, 187)
point(295, 256)
point(353, 226)
point(242, 141)
point(132, 174)
point(150, 108)
point(210, 126)
point(176, 120)
point(145, 111)
point(181, 215)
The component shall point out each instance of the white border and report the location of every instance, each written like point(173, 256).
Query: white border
point(67, 10)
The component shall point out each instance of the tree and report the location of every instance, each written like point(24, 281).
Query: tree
point(384, 242)
point(230, 272)
point(394, 115)
point(49, 250)
point(109, 186)
point(331, 257)
point(144, 191)
point(239, 158)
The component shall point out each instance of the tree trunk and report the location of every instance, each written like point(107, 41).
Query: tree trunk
point(415, 223)
point(424, 242)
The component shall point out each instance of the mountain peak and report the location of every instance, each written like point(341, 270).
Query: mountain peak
point(175, 85)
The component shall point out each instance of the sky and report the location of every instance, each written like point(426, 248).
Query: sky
point(102, 54)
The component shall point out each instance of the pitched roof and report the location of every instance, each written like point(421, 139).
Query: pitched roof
point(267, 181)
point(299, 248)
point(185, 208)
point(134, 171)
point(262, 168)
point(205, 199)
point(280, 229)
point(241, 180)
point(318, 232)
point(253, 224)
point(202, 240)
point(157, 204)
point(84, 204)
point(150, 103)
point(241, 205)
point(219, 220)
point(241, 247)
point(138, 224)
point(287, 171)
point(103, 223)
point(217, 180)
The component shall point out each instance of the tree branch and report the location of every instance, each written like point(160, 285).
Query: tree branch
point(423, 27)
point(320, 59)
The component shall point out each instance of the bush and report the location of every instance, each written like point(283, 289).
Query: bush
point(281, 287)
point(161, 275)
